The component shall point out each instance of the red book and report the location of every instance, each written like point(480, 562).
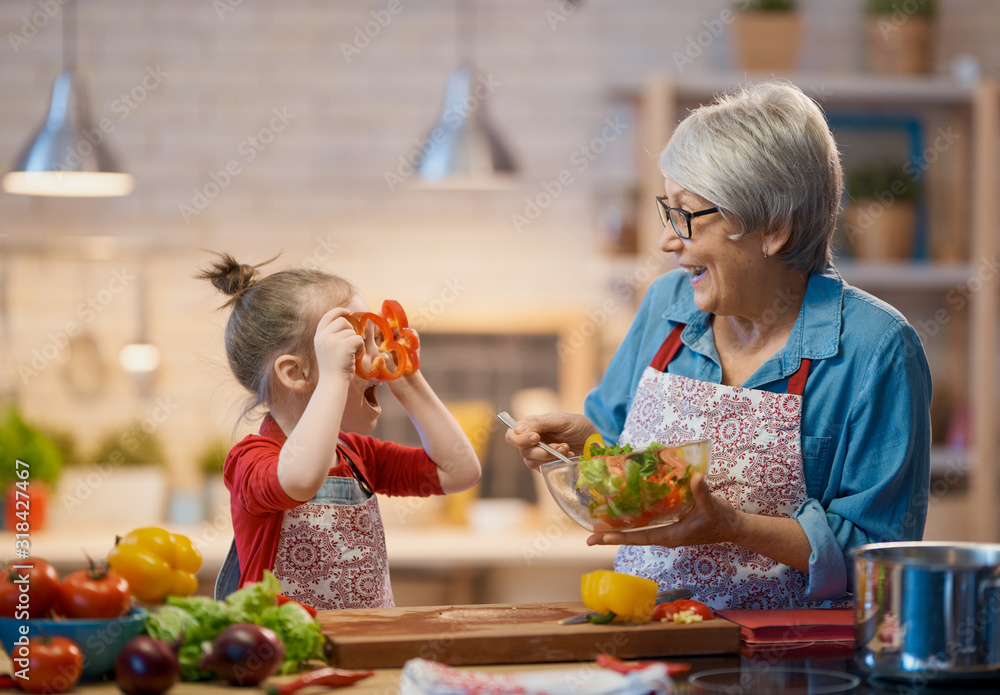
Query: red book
point(793, 625)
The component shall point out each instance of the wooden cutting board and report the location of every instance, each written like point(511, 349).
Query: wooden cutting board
point(508, 634)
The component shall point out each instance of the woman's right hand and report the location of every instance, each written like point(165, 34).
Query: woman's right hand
point(337, 344)
point(564, 432)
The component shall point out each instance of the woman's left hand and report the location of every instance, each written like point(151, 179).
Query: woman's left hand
point(712, 520)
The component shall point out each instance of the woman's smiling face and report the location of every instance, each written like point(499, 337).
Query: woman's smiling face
point(721, 269)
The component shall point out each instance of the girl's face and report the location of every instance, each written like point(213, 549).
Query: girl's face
point(719, 267)
point(362, 409)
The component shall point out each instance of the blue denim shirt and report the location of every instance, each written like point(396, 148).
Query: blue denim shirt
point(866, 430)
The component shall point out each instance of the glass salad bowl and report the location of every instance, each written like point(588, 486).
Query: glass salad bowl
point(630, 490)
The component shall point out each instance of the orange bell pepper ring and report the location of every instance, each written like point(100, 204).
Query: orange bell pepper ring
point(395, 337)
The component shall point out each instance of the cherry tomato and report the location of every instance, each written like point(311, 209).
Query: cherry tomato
point(54, 665)
point(94, 593)
point(42, 589)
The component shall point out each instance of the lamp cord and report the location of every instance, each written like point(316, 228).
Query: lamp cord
point(69, 35)
point(465, 31)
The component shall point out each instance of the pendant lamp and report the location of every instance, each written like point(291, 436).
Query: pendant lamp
point(462, 150)
point(68, 156)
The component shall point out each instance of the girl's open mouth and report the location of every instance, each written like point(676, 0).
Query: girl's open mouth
point(371, 396)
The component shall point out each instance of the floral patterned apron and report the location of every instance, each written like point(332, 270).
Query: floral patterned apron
point(331, 553)
point(756, 464)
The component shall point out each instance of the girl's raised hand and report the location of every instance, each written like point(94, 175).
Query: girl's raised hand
point(337, 344)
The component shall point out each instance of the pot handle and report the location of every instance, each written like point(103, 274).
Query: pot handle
point(988, 584)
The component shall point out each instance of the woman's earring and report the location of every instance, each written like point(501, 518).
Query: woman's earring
point(765, 252)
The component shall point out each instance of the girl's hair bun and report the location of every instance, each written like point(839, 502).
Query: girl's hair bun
point(229, 276)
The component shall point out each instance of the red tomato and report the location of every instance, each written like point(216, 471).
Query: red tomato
point(31, 599)
point(696, 607)
point(54, 665)
point(665, 612)
point(94, 593)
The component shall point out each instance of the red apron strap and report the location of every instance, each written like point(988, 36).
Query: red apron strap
point(669, 348)
point(797, 381)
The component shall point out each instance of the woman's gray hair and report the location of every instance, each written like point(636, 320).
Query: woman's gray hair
point(765, 155)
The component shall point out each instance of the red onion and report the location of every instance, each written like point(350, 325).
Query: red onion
point(245, 654)
point(146, 666)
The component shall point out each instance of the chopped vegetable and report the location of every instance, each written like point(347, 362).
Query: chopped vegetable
point(394, 337)
point(633, 489)
point(200, 619)
point(329, 677)
point(595, 442)
point(682, 611)
point(629, 597)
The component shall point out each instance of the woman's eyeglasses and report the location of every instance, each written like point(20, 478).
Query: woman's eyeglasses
point(679, 219)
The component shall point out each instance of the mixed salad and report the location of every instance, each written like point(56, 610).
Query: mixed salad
point(629, 490)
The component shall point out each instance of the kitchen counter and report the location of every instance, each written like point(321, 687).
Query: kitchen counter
point(524, 561)
point(386, 681)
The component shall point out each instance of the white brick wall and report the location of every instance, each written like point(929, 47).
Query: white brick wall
point(321, 181)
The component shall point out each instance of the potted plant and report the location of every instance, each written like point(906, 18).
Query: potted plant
point(768, 35)
point(215, 494)
point(32, 462)
point(881, 215)
point(122, 481)
point(900, 36)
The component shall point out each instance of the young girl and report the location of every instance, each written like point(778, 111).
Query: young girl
point(302, 490)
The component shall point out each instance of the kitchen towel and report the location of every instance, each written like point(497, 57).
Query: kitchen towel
point(423, 677)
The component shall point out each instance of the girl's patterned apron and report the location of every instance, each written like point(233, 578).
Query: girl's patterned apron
point(756, 464)
point(331, 553)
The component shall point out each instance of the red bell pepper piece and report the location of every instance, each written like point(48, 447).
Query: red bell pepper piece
point(379, 368)
point(329, 677)
point(607, 661)
point(282, 599)
point(394, 315)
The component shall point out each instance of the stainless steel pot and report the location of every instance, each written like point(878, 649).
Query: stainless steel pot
point(927, 611)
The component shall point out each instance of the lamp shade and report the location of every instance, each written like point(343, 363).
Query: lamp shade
point(462, 149)
point(68, 156)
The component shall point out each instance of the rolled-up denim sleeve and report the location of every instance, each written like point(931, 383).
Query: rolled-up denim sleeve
point(828, 570)
point(881, 488)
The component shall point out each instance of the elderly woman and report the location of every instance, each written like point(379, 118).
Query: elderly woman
point(815, 394)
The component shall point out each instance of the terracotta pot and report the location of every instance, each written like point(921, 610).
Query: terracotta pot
point(880, 232)
point(30, 511)
point(899, 45)
point(768, 41)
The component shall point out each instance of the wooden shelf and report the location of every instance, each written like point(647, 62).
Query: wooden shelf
point(924, 276)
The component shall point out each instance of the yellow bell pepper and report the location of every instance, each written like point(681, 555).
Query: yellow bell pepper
point(156, 564)
point(629, 597)
point(595, 438)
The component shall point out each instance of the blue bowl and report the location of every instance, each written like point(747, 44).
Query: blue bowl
point(100, 639)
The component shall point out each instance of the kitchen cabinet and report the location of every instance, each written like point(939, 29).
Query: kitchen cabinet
point(949, 292)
